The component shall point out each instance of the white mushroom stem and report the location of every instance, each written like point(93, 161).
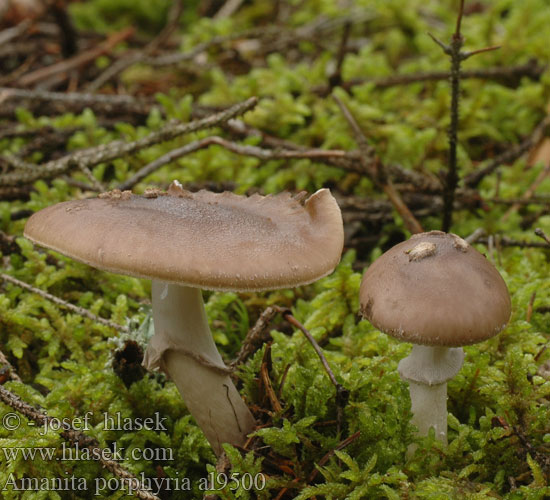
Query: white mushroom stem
point(427, 369)
point(183, 348)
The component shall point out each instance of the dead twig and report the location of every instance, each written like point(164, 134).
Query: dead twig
point(336, 78)
point(228, 9)
point(12, 374)
point(530, 69)
point(172, 20)
point(541, 234)
point(266, 381)
point(342, 394)
point(505, 241)
point(255, 336)
point(67, 32)
point(530, 307)
point(454, 51)
point(529, 193)
point(474, 178)
point(108, 152)
point(475, 236)
point(345, 443)
point(76, 61)
point(378, 174)
point(170, 59)
point(263, 154)
point(67, 305)
point(85, 99)
point(9, 34)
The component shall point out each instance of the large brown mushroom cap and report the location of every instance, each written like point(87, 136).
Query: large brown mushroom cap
point(435, 289)
point(207, 240)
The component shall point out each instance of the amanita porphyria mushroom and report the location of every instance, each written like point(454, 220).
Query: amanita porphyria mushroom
point(439, 293)
point(186, 241)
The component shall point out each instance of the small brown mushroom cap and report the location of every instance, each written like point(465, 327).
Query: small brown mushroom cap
point(435, 289)
point(206, 240)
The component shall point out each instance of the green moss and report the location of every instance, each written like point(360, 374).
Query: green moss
point(499, 403)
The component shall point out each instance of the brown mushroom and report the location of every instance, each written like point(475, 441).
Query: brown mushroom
point(439, 293)
point(187, 241)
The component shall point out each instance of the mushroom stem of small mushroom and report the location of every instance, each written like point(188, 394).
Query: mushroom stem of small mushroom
point(427, 369)
point(184, 349)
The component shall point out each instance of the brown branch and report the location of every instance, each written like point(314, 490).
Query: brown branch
point(9, 34)
point(336, 78)
point(255, 337)
point(172, 20)
point(454, 51)
point(350, 161)
point(529, 193)
point(266, 381)
point(541, 234)
point(77, 439)
point(228, 9)
point(378, 174)
point(509, 156)
point(529, 312)
point(7, 244)
point(342, 394)
point(86, 99)
point(505, 241)
point(346, 442)
point(174, 58)
point(530, 69)
point(12, 374)
point(67, 305)
point(67, 32)
point(263, 154)
point(108, 152)
point(76, 61)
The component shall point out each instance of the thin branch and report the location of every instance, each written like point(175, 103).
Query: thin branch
point(466, 55)
point(336, 77)
point(67, 305)
point(454, 51)
point(170, 59)
point(76, 61)
point(476, 235)
point(379, 174)
point(12, 374)
point(459, 19)
point(97, 186)
point(505, 241)
point(172, 21)
point(342, 394)
point(9, 34)
point(228, 9)
point(509, 156)
point(531, 69)
point(451, 179)
point(67, 32)
point(541, 234)
point(86, 99)
point(529, 192)
point(108, 152)
point(263, 154)
point(345, 443)
point(77, 439)
point(529, 312)
point(254, 337)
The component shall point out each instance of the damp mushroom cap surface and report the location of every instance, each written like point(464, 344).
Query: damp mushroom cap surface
point(208, 240)
point(435, 289)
